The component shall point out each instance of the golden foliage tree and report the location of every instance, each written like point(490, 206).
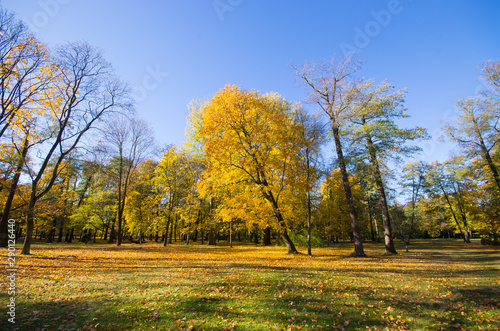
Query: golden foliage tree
point(250, 143)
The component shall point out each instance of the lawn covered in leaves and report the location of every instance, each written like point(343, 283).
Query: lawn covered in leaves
point(438, 285)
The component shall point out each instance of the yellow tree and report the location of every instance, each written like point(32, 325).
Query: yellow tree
point(333, 212)
point(141, 208)
point(175, 178)
point(251, 143)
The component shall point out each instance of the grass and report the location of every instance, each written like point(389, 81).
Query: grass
point(438, 285)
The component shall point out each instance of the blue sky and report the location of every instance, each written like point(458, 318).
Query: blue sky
point(172, 52)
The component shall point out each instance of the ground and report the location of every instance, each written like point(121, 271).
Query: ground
point(437, 285)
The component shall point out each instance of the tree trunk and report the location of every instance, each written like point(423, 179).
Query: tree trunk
point(452, 212)
point(59, 239)
point(370, 217)
point(211, 238)
point(12, 193)
point(491, 164)
point(266, 236)
point(281, 222)
point(71, 235)
point(389, 244)
point(358, 243)
point(231, 233)
point(112, 233)
point(119, 229)
point(166, 230)
point(30, 216)
point(309, 251)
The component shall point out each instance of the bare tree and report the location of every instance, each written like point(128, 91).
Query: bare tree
point(332, 85)
point(127, 142)
point(85, 92)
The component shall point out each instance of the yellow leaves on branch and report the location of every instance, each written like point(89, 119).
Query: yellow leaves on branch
point(252, 147)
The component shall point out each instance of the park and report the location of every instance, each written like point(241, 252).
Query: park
point(440, 284)
point(249, 165)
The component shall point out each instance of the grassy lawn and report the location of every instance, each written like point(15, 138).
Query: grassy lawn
point(438, 285)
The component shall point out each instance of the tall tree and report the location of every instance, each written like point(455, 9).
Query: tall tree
point(85, 92)
point(376, 107)
point(478, 125)
point(250, 142)
point(332, 86)
point(313, 137)
point(127, 142)
point(24, 76)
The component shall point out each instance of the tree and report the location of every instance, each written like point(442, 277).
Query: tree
point(376, 107)
point(478, 125)
point(332, 86)
point(127, 142)
point(414, 174)
point(250, 142)
point(313, 137)
point(141, 207)
point(449, 180)
point(175, 177)
point(24, 76)
point(85, 93)
point(334, 217)
point(23, 71)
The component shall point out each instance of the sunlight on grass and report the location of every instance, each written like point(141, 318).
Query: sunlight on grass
point(437, 285)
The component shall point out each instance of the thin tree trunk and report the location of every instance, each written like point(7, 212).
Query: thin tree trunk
point(452, 212)
point(231, 233)
point(30, 216)
point(389, 244)
point(309, 250)
point(166, 230)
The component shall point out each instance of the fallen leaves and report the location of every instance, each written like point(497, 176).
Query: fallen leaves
point(251, 287)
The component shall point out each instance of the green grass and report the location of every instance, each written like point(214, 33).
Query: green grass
point(438, 285)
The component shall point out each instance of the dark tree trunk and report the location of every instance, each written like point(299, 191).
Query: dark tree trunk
point(358, 243)
point(30, 216)
point(266, 236)
point(211, 238)
point(12, 193)
point(489, 161)
point(309, 251)
point(281, 222)
point(166, 230)
point(71, 235)
point(59, 239)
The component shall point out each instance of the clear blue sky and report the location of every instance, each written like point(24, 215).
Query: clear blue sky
point(431, 47)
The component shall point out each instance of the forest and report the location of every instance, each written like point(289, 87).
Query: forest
point(77, 164)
